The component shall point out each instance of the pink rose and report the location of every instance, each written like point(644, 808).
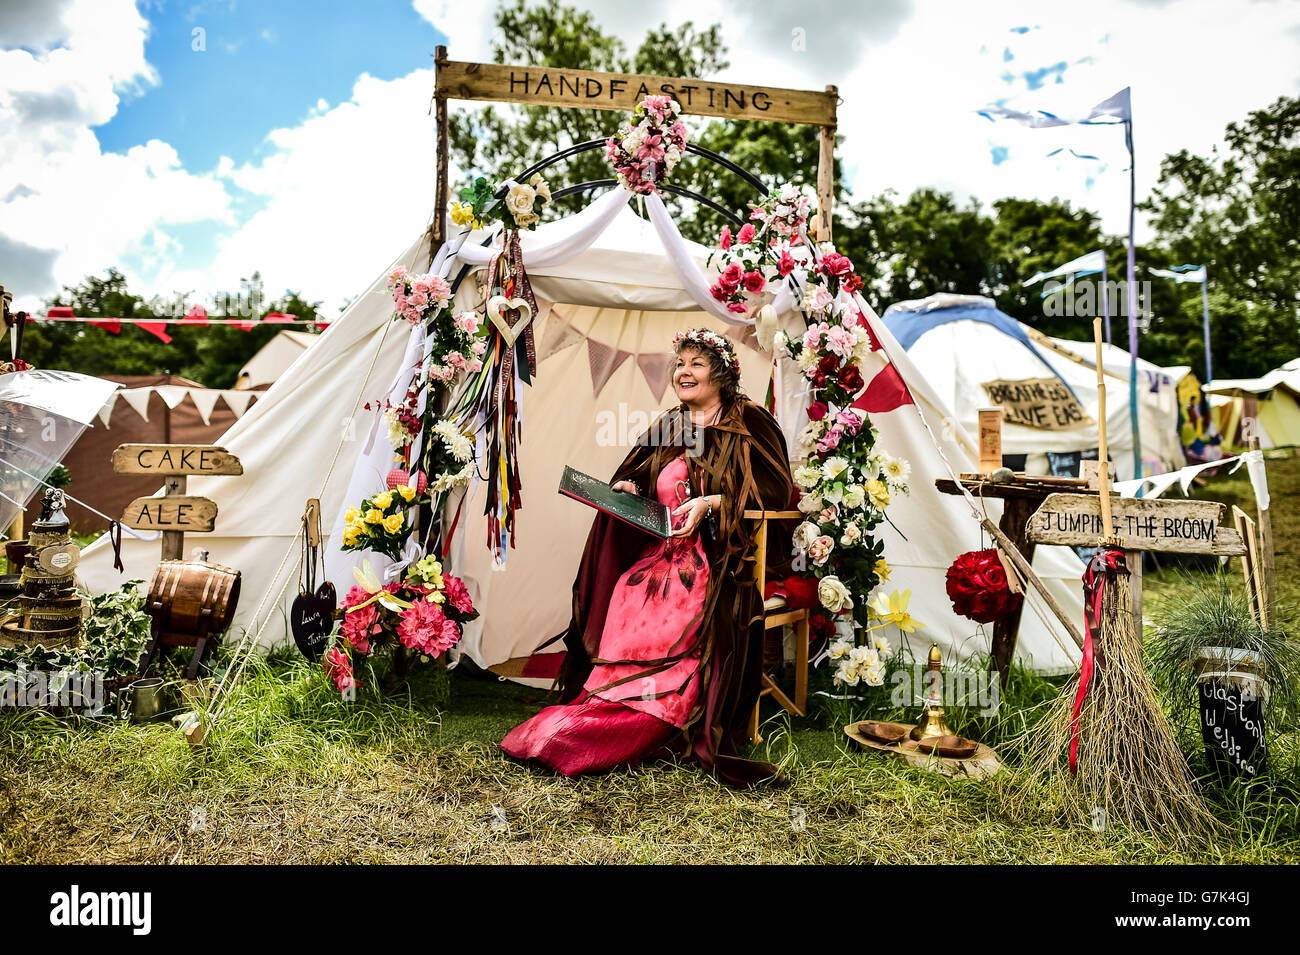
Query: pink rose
point(785, 265)
point(479, 347)
point(474, 366)
point(746, 234)
point(754, 281)
point(467, 322)
point(738, 308)
point(456, 359)
point(724, 238)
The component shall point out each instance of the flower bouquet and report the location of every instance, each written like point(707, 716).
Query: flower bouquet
point(520, 208)
point(646, 149)
point(418, 298)
point(380, 524)
point(423, 611)
point(977, 585)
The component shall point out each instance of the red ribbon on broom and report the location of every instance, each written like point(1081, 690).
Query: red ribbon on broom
point(1105, 562)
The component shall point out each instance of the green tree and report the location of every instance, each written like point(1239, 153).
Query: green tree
point(1238, 213)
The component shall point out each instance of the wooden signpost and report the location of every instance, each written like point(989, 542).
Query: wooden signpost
point(1185, 527)
point(586, 89)
point(174, 513)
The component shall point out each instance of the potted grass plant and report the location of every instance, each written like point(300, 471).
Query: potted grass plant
point(1224, 672)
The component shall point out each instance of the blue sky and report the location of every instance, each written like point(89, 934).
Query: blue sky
point(265, 65)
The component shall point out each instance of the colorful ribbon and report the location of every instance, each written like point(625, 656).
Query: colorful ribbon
point(1102, 564)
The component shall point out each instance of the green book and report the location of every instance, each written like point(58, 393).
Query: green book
point(642, 512)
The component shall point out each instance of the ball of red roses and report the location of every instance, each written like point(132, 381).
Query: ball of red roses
point(977, 586)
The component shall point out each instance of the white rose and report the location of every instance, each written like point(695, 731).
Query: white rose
point(810, 503)
point(840, 648)
point(872, 676)
point(805, 534)
point(846, 674)
point(881, 642)
point(519, 198)
point(541, 186)
point(832, 593)
point(851, 535)
point(854, 495)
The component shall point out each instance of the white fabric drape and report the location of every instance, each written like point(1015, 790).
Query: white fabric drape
point(587, 227)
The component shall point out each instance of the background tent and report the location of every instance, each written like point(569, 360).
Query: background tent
point(977, 355)
point(273, 359)
point(155, 409)
point(1275, 400)
point(607, 314)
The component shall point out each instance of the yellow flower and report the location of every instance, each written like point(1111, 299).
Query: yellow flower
point(383, 501)
point(352, 514)
point(374, 515)
point(878, 493)
point(407, 492)
point(463, 214)
point(393, 523)
point(893, 609)
point(882, 570)
point(350, 535)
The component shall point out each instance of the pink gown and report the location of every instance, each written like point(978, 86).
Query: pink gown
point(650, 617)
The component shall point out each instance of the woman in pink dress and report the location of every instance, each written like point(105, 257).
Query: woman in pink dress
point(663, 650)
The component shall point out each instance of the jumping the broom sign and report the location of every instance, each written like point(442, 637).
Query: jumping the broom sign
point(1188, 527)
point(174, 513)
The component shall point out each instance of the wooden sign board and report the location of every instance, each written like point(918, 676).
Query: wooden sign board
point(548, 86)
point(173, 513)
point(1042, 403)
point(1184, 527)
point(174, 459)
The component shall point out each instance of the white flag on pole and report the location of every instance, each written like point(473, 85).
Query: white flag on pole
point(1089, 262)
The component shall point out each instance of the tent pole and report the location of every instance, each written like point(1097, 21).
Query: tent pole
point(826, 175)
point(437, 234)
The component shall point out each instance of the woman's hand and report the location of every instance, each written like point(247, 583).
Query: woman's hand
point(695, 510)
point(627, 487)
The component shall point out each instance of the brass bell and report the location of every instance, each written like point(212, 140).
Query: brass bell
point(932, 724)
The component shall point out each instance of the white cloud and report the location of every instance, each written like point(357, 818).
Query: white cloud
point(71, 209)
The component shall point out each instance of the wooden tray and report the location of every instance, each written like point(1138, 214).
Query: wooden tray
point(983, 764)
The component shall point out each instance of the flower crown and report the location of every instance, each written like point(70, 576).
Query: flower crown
point(704, 338)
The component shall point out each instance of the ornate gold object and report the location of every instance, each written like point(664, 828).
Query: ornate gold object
point(932, 722)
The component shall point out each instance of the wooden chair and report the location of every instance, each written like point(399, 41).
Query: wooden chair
point(775, 616)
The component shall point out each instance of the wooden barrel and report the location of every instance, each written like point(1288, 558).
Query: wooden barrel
point(182, 589)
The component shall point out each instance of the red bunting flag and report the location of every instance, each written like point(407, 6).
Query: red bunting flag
point(156, 328)
point(197, 315)
point(279, 317)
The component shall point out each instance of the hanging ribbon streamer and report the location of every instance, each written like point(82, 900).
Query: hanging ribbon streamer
point(115, 538)
point(1102, 564)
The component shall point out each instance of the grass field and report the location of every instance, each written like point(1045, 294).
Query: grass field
point(293, 774)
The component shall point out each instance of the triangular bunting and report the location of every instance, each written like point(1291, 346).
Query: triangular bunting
point(604, 361)
point(172, 394)
point(106, 412)
point(654, 368)
point(113, 326)
point(158, 329)
point(138, 398)
point(885, 392)
point(197, 315)
point(558, 336)
point(238, 401)
point(205, 399)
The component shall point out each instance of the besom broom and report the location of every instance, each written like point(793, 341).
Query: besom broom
point(1105, 752)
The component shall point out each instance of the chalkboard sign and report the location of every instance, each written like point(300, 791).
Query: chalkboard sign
point(1232, 726)
point(311, 619)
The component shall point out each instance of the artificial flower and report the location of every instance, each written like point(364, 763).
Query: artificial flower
point(833, 595)
point(892, 609)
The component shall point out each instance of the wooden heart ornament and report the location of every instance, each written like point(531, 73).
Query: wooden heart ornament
point(501, 310)
point(59, 560)
point(311, 618)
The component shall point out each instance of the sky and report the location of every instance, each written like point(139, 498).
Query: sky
point(191, 143)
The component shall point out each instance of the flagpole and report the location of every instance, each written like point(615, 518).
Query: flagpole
point(1205, 307)
point(1105, 296)
point(1131, 277)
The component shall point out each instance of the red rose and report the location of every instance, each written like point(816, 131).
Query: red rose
point(754, 281)
point(977, 585)
point(817, 411)
point(718, 292)
point(835, 264)
point(853, 284)
point(850, 378)
point(785, 265)
point(828, 364)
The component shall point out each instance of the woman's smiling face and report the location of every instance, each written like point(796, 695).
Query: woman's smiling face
point(693, 379)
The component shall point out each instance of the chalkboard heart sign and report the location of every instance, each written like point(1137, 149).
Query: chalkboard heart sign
point(311, 618)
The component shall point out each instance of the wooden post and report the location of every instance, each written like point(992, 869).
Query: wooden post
point(826, 177)
point(1015, 517)
point(1267, 572)
point(173, 542)
point(439, 232)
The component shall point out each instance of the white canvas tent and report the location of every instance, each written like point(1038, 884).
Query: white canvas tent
point(274, 358)
point(612, 288)
point(962, 343)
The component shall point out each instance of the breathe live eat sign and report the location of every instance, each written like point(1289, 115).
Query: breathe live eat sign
point(1185, 527)
point(187, 459)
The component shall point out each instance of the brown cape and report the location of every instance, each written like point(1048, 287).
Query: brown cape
point(743, 457)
